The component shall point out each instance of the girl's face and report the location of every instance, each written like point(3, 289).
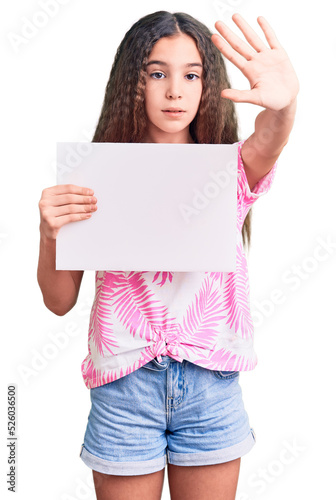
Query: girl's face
point(174, 80)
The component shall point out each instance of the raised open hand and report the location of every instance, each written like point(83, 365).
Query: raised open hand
point(272, 78)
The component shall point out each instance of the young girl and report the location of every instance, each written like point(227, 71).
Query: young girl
point(166, 349)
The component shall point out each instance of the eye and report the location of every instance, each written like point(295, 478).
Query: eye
point(157, 73)
point(192, 79)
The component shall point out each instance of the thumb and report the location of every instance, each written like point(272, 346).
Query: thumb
point(237, 95)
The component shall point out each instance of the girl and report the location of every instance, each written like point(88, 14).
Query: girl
point(165, 349)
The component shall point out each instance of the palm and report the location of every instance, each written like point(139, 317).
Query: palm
point(269, 71)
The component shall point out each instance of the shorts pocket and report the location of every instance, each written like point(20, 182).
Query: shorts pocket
point(225, 374)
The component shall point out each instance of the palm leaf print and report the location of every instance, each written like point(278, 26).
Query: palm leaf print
point(134, 306)
point(164, 277)
point(218, 276)
point(237, 297)
point(202, 317)
point(100, 331)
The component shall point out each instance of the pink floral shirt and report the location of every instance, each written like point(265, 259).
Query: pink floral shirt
point(203, 317)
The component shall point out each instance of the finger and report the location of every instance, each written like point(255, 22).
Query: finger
point(269, 33)
point(250, 35)
point(66, 199)
point(68, 188)
point(228, 51)
point(236, 43)
point(71, 209)
point(65, 219)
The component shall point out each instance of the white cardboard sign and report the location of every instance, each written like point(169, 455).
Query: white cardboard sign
point(161, 207)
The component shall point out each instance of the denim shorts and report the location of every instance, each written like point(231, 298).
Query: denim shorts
point(168, 411)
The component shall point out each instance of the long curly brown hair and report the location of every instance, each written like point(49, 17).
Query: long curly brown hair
point(123, 117)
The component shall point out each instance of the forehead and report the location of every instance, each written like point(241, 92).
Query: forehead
point(177, 47)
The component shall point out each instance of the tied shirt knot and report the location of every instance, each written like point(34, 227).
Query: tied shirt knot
point(166, 342)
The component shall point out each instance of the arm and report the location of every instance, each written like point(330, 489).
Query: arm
point(58, 206)
point(60, 289)
point(274, 85)
point(258, 155)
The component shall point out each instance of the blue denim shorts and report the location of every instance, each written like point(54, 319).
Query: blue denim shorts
point(168, 411)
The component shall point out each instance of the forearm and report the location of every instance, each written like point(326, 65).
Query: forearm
point(272, 129)
point(57, 287)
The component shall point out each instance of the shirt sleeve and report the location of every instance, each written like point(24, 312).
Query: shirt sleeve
point(246, 197)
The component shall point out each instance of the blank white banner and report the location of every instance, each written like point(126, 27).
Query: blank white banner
point(161, 207)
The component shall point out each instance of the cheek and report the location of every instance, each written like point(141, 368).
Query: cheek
point(150, 98)
point(197, 96)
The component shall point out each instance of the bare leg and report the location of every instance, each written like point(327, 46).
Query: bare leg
point(204, 482)
point(144, 487)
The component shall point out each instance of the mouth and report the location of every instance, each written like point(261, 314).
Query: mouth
point(173, 111)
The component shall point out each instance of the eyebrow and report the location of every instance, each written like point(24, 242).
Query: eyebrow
point(162, 63)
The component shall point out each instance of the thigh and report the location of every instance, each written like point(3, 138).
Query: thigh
point(215, 482)
point(144, 487)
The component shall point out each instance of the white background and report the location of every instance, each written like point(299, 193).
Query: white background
point(52, 90)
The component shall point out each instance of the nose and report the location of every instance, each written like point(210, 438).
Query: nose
point(173, 89)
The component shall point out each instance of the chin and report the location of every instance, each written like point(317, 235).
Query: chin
point(174, 128)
